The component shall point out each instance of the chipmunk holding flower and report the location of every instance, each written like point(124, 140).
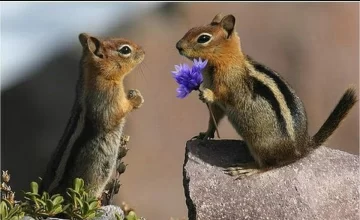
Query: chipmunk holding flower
point(89, 147)
point(259, 103)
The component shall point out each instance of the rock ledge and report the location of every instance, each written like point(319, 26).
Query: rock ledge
point(322, 186)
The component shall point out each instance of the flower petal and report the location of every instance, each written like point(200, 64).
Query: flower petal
point(182, 92)
point(188, 78)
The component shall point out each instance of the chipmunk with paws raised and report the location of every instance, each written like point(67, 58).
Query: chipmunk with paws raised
point(90, 144)
point(259, 103)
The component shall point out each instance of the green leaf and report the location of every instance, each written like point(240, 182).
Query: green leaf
point(43, 203)
point(58, 200)
point(49, 205)
point(73, 193)
point(10, 212)
point(8, 203)
point(85, 209)
point(4, 210)
point(93, 205)
point(78, 216)
point(84, 196)
point(66, 207)
point(70, 195)
point(57, 209)
point(54, 196)
point(118, 217)
point(79, 202)
point(27, 198)
point(99, 212)
point(78, 184)
point(90, 215)
point(131, 216)
point(31, 194)
point(14, 211)
point(34, 187)
point(45, 196)
point(37, 210)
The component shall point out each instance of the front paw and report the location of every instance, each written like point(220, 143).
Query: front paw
point(135, 98)
point(207, 96)
point(204, 136)
point(124, 140)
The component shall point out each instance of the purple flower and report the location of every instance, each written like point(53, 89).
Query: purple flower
point(182, 91)
point(189, 79)
point(199, 65)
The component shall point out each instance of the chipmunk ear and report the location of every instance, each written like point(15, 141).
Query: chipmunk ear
point(217, 19)
point(228, 24)
point(91, 44)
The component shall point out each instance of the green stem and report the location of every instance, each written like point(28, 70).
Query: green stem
point(212, 115)
point(213, 118)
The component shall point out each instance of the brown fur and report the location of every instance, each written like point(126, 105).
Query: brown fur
point(105, 75)
point(101, 107)
point(260, 105)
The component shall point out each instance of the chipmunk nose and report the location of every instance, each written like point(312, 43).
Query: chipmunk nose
point(178, 46)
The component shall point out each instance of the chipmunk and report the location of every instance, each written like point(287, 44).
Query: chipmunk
point(89, 146)
point(259, 103)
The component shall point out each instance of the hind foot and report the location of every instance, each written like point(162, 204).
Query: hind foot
point(243, 170)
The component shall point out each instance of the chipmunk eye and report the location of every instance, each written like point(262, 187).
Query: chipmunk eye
point(203, 38)
point(125, 50)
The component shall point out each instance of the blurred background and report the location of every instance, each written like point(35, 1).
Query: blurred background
point(315, 46)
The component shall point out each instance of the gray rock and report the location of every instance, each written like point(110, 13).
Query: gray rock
point(27, 218)
point(322, 186)
point(109, 214)
point(55, 219)
point(110, 211)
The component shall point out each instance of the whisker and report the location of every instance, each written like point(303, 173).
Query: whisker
point(137, 72)
point(148, 69)
point(142, 74)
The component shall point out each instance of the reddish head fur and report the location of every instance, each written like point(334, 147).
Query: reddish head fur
point(104, 62)
point(220, 46)
point(222, 49)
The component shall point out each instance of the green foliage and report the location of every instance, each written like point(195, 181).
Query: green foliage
point(78, 204)
point(118, 217)
point(9, 208)
point(81, 205)
point(130, 213)
point(9, 211)
point(131, 216)
point(41, 206)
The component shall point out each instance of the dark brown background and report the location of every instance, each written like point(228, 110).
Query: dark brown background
point(315, 46)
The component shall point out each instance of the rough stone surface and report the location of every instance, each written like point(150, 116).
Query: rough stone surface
point(27, 218)
point(110, 211)
point(109, 214)
point(322, 186)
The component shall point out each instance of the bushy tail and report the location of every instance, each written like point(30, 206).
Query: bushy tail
point(343, 107)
